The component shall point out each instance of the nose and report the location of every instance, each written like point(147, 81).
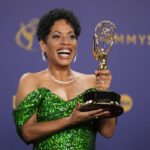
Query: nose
point(64, 40)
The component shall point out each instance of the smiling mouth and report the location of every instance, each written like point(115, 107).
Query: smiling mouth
point(64, 53)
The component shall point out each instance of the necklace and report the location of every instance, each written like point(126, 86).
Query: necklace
point(61, 82)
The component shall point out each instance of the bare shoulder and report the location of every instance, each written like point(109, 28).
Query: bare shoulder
point(88, 79)
point(28, 83)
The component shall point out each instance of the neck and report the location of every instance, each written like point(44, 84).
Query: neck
point(62, 73)
point(62, 77)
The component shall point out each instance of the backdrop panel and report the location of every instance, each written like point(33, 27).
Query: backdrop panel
point(128, 61)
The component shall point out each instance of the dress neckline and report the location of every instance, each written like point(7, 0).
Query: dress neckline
point(48, 90)
point(72, 99)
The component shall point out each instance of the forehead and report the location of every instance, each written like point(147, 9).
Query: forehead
point(62, 26)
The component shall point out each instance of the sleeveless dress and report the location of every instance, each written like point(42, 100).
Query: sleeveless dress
point(48, 106)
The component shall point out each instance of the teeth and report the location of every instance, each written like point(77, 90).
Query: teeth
point(64, 51)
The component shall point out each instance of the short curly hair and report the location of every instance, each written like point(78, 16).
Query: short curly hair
point(47, 21)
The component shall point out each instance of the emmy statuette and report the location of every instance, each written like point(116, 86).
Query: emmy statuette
point(104, 37)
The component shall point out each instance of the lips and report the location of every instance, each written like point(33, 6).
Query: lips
point(64, 53)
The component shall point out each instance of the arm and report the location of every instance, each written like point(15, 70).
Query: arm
point(106, 127)
point(32, 129)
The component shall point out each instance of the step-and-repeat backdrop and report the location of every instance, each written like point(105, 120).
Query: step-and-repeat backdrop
point(128, 61)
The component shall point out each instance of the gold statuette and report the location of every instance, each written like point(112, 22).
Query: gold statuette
point(104, 37)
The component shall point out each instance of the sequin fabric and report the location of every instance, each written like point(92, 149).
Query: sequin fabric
point(48, 106)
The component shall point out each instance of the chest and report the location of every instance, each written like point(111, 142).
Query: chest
point(53, 107)
point(70, 91)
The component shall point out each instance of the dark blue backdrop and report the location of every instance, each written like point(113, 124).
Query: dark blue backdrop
point(129, 62)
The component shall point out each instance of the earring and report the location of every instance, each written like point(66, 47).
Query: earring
point(44, 56)
point(75, 58)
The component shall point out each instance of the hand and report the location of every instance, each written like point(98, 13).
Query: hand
point(77, 116)
point(103, 79)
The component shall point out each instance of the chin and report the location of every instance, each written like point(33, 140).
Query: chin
point(65, 63)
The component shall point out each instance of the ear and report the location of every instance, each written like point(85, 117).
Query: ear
point(43, 46)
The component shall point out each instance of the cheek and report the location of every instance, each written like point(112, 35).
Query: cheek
point(75, 45)
point(52, 46)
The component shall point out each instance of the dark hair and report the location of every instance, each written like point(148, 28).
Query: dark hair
point(47, 21)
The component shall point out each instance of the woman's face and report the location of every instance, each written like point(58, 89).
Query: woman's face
point(61, 44)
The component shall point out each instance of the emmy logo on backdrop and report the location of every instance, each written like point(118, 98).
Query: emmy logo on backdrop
point(25, 35)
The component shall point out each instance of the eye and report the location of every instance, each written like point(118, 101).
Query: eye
point(56, 36)
point(72, 37)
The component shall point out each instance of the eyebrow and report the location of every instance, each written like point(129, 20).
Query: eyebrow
point(62, 33)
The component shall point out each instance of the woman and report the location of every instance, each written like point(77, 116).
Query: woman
point(48, 101)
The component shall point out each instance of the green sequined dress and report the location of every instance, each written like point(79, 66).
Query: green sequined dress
point(48, 106)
